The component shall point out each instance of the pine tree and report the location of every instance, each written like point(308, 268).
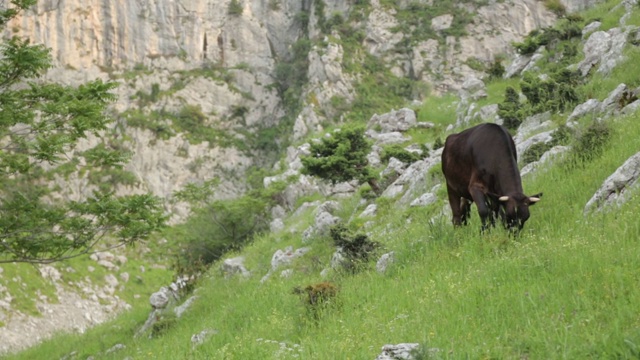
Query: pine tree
point(40, 122)
point(342, 157)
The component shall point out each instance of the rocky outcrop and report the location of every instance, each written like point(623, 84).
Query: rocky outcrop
point(617, 188)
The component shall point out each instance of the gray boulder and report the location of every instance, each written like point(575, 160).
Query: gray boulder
point(385, 260)
point(545, 137)
point(283, 258)
point(398, 352)
point(233, 266)
point(473, 88)
point(613, 103)
point(370, 211)
point(517, 65)
point(616, 188)
point(591, 106)
point(424, 200)
point(545, 159)
point(396, 120)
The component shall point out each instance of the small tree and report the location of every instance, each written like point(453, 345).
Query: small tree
point(40, 123)
point(510, 109)
point(342, 157)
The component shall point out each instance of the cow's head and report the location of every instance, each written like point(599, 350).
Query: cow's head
point(515, 209)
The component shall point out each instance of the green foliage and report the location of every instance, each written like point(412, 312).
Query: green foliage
point(496, 69)
point(550, 37)
point(415, 21)
point(318, 297)
point(556, 94)
point(357, 248)
point(274, 5)
point(378, 90)
point(235, 8)
point(291, 75)
point(438, 143)
point(197, 195)
point(556, 7)
point(145, 99)
point(217, 228)
point(164, 323)
point(400, 153)
point(592, 141)
point(510, 110)
point(41, 122)
point(341, 157)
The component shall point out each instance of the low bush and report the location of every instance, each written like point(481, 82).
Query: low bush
point(400, 153)
point(356, 247)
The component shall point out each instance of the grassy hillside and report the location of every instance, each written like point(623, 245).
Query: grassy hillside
point(567, 288)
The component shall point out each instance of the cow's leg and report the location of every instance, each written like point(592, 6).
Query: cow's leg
point(483, 210)
point(465, 209)
point(456, 210)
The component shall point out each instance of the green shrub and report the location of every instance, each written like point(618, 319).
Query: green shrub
point(216, 229)
point(592, 142)
point(556, 7)
point(438, 143)
point(235, 8)
point(400, 153)
point(510, 110)
point(166, 321)
point(535, 151)
point(496, 69)
point(356, 247)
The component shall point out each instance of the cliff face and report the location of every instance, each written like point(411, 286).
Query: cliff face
point(222, 60)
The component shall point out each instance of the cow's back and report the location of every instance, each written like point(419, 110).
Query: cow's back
point(480, 152)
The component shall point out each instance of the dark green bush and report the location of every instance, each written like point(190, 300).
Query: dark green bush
point(357, 247)
point(438, 143)
point(235, 8)
point(399, 153)
point(510, 110)
point(496, 69)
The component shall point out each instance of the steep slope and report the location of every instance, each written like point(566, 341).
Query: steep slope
point(206, 87)
point(566, 288)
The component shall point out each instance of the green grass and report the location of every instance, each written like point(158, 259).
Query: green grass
point(567, 288)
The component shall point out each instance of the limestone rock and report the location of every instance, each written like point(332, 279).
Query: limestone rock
point(395, 120)
point(591, 106)
point(234, 266)
point(545, 159)
point(616, 188)
point(441, 22)
point(398, 352)
point(370, 211)
point(385, 260)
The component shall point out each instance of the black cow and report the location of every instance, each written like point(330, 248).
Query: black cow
point(480, 165)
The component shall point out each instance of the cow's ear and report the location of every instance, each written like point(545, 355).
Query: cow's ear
point(494, 197)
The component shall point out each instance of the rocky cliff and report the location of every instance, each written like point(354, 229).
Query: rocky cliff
point(220, 59)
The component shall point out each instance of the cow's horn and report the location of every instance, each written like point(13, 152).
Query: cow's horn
point(534, 199)
point(503, 198)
